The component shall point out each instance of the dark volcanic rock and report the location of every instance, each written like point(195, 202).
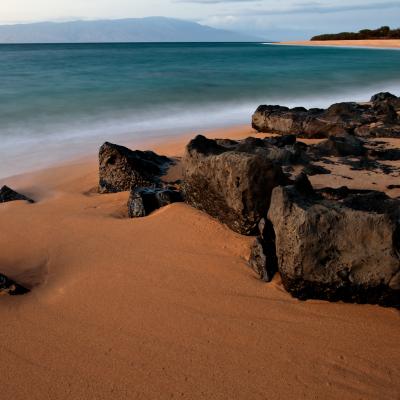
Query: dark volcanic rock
point(312, 169)
point(9, 287)
point(338, 244)
point(7, 194)
point(263, 253)
point(279, 119)
point(143, 201)
point(120, 168)
point(385, 97)
point(259, 260)
point(340, 146)
point(378, 118)
point(391, 187)
point(231, 185)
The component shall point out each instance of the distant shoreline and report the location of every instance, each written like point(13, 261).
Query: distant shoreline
point(383, 44)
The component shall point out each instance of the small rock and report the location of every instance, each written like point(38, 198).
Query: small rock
point(143, 201)
point(339, 146)
point(9, 287)
point(7, 194)
point(391, 187)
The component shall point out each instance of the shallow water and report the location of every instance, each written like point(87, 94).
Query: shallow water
point(58, 101)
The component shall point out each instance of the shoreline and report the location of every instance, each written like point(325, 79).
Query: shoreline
point(165, 305)
point(157, 143)
point(373, 44)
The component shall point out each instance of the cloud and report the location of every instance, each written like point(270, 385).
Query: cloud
point(302, 8)
point(317, 8)
point(216, 1)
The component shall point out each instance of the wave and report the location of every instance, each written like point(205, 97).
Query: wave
point(48, 142)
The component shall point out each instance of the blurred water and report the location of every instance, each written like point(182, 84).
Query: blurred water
point(62, 100)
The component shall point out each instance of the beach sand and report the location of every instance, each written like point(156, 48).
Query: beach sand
point(165, 306)
point(391, 43)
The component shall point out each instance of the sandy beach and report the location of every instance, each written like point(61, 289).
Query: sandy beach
point(391, 43)
point(166, 307)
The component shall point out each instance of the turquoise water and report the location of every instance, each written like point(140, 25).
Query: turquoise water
point(58, 101)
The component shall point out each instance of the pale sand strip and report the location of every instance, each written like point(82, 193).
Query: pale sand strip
point(166, 307)
point(393, 43)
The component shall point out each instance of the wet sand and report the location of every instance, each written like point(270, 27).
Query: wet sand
point(165, 306)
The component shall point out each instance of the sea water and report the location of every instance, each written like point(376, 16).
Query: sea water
point(64, 100)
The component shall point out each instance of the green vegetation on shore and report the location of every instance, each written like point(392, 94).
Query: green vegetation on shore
point(382, 33)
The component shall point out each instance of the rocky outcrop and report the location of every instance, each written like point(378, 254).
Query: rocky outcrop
point(338, 244)
point(121, 169)
point(143, 201)
point(7, 194)
point(11, 288)
point(380, 117)
point(231, 181)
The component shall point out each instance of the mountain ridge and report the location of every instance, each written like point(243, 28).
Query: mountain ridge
point(143, 30)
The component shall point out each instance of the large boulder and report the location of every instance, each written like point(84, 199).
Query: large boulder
point(121, 169)
point(380, 117)
point(7, 194)
point(232, 183)
point(11, 288)
point(143, 201)
point(279, 119)
point(338, 244)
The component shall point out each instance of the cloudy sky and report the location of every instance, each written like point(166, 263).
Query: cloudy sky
point(270, 19)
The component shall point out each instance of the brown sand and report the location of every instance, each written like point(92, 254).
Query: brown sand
point(391, 43)
point(165, 307)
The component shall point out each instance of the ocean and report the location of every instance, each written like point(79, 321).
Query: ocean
point(61, 101)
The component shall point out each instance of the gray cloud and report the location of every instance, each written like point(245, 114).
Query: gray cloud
point(216, 1)
point(302, 8)
point(317, 8)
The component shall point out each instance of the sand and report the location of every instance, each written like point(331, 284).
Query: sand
point(166, 307)
point(391, 43)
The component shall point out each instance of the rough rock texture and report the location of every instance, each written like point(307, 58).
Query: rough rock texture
point(9, 287)
point(380, 117)
point(231, 181)
point(143, 201)
point(262, 252)
point(121, 169)
point(7, 194)
point(340, 146)
point(338, 244)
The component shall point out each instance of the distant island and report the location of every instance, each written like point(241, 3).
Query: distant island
point(150, 29)
point(365, 34)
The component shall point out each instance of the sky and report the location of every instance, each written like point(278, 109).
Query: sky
point(268, 19)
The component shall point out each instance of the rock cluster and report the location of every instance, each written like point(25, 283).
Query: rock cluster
point(122, 169)
point(333, 244)
point(378, 118)
point(7, 194)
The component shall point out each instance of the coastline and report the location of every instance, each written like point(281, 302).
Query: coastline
point(166, 304)
point(382, 44)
